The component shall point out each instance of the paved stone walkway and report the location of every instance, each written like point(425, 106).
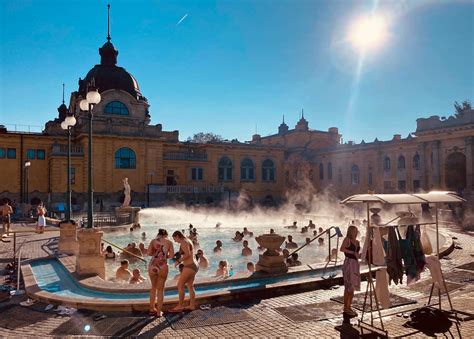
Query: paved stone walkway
point(267, 321)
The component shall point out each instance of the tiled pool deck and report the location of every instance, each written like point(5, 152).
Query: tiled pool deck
point(268, 322)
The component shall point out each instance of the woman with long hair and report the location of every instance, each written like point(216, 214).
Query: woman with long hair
point(41, 211)
point(350, 269)
point(190, 268)
point(160, 249)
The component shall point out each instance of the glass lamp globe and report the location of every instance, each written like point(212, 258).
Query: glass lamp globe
point(84, 105)
point(64, 125)
point(70, 120)
point(93, 97)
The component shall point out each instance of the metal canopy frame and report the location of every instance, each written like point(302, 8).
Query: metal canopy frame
point(433, 197)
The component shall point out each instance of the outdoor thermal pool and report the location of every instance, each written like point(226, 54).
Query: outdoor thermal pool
point(173, 219)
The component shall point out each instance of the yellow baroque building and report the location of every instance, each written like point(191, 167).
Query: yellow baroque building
point(161, 169)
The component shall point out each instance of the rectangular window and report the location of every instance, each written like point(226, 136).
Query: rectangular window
point(2, 153)
point(416, 185)
point(402, 186)
point(370, 180)
point(31, 154)
point(11, 153)
point(40, 154)
point(196, 173)
point(73, 175)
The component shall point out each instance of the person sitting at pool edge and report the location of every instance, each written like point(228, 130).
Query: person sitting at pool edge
point(123, 273)
point(136, 277)
point(246, 251)
point(290, 243)
point(218, 247)
point(222, 270)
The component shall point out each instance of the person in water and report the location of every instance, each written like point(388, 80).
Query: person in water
point(250, 267)
point(222, 269)
point(350, 268)
point(311, 225)
point(246, 251)
point(218, 248)
point(238, 236)
point(202, 259)
point(186, 278)
point(290, 243)
point(109, 253)
point(160, 249)
point(136, 277)
point(123, 273)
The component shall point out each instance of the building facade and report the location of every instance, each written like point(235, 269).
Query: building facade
point(161, 169)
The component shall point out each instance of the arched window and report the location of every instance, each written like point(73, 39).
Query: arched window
point(224, 169)
point(268, 170)
point(247, 169)
point(355, 175)
point(386, 164)
point(329, 171)
point(416, 162)
point(401, 162)
point(125, 158)
point(321, 171)
point(116, 107)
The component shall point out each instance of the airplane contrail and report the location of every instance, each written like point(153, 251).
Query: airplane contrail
point(182, 19)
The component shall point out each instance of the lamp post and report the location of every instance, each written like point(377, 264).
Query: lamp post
point(67, 124)
point(27, 167)
point(92, 98)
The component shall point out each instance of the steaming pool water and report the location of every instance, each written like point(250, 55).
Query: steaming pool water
point(173, 219)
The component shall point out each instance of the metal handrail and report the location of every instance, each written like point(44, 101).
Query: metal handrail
point(124, 250)
point(316, 237)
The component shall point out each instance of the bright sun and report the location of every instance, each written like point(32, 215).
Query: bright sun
point(368, 32)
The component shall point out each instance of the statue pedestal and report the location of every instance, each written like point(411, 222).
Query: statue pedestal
point(90, 261)
point(271, 264)
point(68, 243)
point(271, 261)
point(134, 219)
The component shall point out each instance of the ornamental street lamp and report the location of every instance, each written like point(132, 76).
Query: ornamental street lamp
point(92, 98)
point(27, 167)
point(67, 124)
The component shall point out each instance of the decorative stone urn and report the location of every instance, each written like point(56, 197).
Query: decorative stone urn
point(89, 260)
point(68, 243)
point(134, 213)
point(271, 261)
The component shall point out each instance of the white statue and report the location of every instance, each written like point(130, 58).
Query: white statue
point(126, 191)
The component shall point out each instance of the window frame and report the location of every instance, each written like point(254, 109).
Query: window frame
point(197, 174)
point(132, 159)
point(268, 172)
point(120, 108)
point(247, 172)
point(3, 153)
point(355, 175)
point(227, 169)
point(387, 164)
point(11, 151)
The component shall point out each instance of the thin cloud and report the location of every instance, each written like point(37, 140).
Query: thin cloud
point(182, 19)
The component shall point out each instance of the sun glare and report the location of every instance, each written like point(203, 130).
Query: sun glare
point(369, 32)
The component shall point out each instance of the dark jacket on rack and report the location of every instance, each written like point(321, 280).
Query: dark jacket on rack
point(394, 258)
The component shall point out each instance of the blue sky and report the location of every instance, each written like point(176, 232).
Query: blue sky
point(232, 67)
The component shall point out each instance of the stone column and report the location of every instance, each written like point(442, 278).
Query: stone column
point(435, 175)
point(68, 243)
point(469, 163)
point(90, 261)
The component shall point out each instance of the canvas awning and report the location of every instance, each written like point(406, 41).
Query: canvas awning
point(405, 198)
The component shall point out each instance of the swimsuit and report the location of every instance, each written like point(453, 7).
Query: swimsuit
point(159, 260)
point(192, 266)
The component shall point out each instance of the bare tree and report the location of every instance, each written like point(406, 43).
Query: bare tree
point(205, 138)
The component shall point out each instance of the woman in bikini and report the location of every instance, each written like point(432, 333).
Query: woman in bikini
point(189, 272)
point(160, 249)
point(350, 269)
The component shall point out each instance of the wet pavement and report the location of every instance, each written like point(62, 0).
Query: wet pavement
point(260, 318)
